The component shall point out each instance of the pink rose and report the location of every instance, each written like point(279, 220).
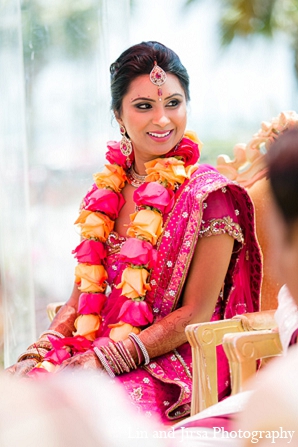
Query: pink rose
point(38, 373)
point(90, 251)
point(114, 155)
point(91, 303)
point(64, 348)
point(58, 354)
point(106, 201)
point(155, 195)
point(188, 150)
point(136, 313)
point(138, 252)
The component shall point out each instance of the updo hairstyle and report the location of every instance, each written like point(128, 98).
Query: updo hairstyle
point(139, 60)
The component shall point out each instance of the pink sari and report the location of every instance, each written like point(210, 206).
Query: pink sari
point(206, 205)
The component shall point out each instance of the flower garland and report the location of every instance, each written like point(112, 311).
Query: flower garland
point(154, 199)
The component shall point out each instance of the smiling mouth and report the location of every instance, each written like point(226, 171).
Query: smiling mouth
point(159, 135)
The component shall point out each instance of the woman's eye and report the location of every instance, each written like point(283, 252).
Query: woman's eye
point(143, 106)
point(173, 103)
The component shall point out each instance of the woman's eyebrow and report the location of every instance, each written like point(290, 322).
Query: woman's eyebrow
point(140, 98)
point(174, 94)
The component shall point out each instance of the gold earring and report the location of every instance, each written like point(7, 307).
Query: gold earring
point(125, 143)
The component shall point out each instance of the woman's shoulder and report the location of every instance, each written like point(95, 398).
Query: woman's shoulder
point(207, 179)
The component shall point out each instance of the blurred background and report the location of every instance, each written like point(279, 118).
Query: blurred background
point(242, 58)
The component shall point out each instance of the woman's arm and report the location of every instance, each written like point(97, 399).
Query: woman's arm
point(65, 318)
point(62, 323)
point(205, 280)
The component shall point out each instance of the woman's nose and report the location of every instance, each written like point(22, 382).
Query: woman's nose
point(160, 118)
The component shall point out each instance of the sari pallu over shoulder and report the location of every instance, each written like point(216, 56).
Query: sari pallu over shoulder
point(175, 251)
point(179, 239)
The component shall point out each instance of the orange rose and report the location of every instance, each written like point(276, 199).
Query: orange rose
point(146, 224)
point(120, 331)
point(113, 176)
point(96, 225)
point(191, 135)
point(190, 170)
point(134, 282)
point(169, 170)
point(87, 326)
point(91, 277)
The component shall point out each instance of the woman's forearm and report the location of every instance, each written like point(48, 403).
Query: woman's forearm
point(164, 336)
point(65, 318)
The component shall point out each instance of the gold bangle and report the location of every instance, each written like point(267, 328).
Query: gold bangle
point(119, 358)
point(41, 344)
point(52, 332)
point(111, 360)
point(126, 355)
point(33, 353)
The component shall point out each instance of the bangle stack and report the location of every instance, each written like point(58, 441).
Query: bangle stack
point(51, 332)
point(41, 344)
point(140, 348)
point(39, 349)
point(115, 358)
point(33, 353)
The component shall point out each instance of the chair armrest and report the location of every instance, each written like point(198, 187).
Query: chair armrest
point(53, 308)
point(257, 321)
point(244, 349)
point(203, 338)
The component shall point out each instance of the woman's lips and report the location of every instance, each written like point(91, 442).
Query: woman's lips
point(160, 136)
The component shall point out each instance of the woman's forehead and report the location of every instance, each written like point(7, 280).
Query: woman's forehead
point(143, 87)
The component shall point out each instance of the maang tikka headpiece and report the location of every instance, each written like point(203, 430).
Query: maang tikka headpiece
point(158, 77)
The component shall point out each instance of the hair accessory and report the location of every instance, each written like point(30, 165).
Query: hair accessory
point(125, 143)
point(158, 77)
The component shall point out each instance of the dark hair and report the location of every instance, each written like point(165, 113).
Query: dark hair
point(283, 174)
point(138, 60)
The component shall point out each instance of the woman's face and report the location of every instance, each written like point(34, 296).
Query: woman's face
point(154, 126)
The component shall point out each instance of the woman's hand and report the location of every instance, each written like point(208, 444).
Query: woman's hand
point(88, 360)
point(22, 368)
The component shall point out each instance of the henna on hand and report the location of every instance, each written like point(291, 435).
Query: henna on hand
point(22, 368)
point(88, 360)
point(64, 320)
point(167, 334)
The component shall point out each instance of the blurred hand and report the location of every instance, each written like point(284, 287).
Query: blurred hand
point(22, 368)
point(87, 360)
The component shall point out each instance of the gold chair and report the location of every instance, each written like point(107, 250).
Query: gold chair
point(204, 338)
point(250, 172)
point(243, 350)
point(248, 168)
point(53, 308)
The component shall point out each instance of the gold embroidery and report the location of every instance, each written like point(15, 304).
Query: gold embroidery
point(221, 226)
point(114, 242)
point(137, 394)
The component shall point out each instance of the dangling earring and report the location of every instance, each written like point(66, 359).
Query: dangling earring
point(125, 143)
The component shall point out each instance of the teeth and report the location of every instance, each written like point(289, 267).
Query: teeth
point(159, 135)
